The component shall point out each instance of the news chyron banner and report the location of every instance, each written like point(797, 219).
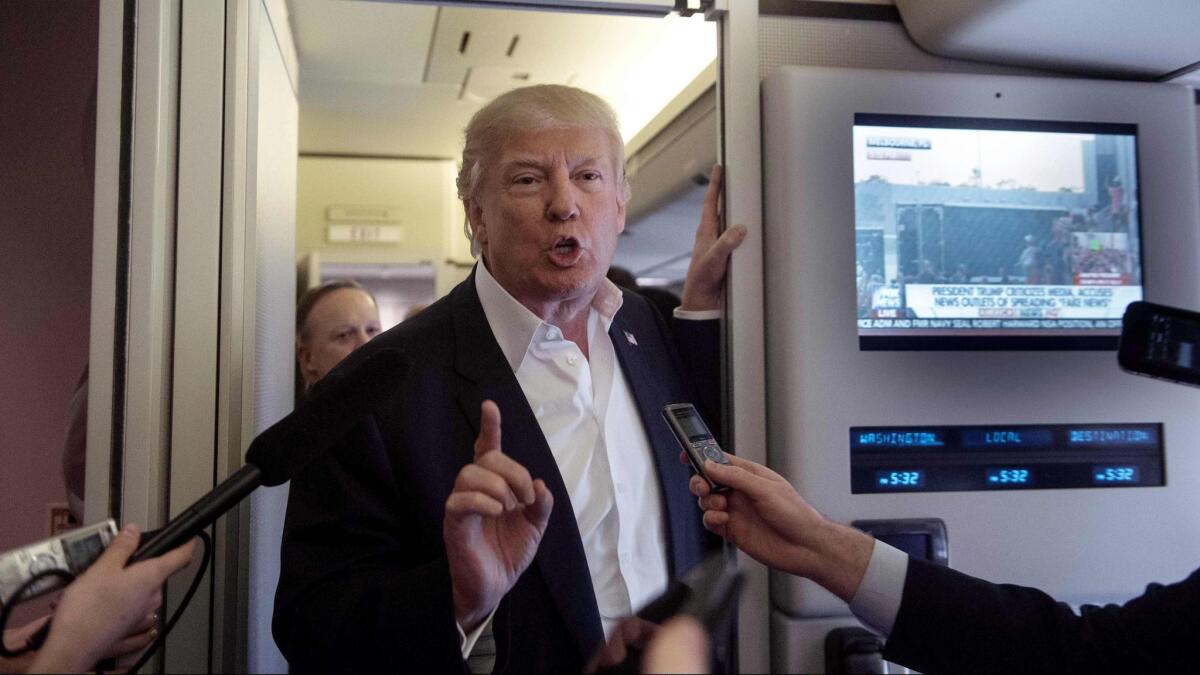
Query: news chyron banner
point(974, 306)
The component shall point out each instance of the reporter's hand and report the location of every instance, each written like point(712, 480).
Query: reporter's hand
point(631, 632)
point(764, 516)
point(711, 251)
point(495, 519)
point(110, 609)
point(681, 645)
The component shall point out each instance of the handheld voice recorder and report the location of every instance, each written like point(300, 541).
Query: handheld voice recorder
point(71, 552)
point(696, 439)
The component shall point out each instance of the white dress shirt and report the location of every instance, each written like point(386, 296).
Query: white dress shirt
point(589, 418)
point(877, 600)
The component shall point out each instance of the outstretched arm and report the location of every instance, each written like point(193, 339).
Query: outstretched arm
point(949, 621)
point(765, 517)
point(694, 329)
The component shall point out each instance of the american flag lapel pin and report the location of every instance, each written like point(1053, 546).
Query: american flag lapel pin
point(632, 340)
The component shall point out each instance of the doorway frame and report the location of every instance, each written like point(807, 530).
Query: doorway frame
point(150, 453)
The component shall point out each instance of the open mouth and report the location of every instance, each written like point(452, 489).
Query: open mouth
point(566, 245)
point(566, 251)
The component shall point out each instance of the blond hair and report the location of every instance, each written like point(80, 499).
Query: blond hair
point(542, 106)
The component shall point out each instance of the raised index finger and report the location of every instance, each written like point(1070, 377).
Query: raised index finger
point(489, 430)
point(517, 477)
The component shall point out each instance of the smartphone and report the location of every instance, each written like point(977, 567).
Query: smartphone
point(1161, 341)
point(695, 438)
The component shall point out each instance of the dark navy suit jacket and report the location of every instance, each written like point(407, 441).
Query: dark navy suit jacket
point(364, 582)
point(953, 623)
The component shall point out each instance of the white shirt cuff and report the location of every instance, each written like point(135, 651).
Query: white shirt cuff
point(877, 600)
point(468, 641)
point(697, 314)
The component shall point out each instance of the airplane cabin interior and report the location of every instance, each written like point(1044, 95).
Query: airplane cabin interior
point(952, 213)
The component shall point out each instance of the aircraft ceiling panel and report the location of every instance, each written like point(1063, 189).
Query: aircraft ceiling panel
point(403, 80)
point(375, 42)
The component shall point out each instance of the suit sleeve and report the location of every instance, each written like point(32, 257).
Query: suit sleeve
point(358, 590)
point(698, 344)
point(951, 622)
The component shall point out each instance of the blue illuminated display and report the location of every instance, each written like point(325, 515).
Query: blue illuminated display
point(1109, 475)
point(1009, 476)
point(1006, 456)
point(900, 439)
point(1011, 438)
point(909, 478)
point(1112, 436)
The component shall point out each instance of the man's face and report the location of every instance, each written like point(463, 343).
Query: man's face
point(340, 322)
point(547, 213)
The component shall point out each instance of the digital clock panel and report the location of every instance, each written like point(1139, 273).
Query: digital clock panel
point(1115, 475)
point(1010, 457)
point(899, 480)
point(1010, 477)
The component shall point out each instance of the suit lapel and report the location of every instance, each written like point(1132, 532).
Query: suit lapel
point(631, 342)
point(560, 558)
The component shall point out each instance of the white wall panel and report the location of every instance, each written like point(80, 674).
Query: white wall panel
point(273, 135)
point(820, 384)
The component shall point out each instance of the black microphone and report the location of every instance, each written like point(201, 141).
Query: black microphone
point(339, 402)
point(336, 407)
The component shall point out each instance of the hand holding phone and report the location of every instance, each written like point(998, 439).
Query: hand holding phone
point(695, 438)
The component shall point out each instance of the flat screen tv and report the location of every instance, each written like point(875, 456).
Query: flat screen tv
point(980, 233)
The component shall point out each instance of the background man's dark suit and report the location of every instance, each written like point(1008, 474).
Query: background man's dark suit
point(951, 622)
point(364, 583)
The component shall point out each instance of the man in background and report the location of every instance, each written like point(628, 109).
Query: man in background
point(332, 320)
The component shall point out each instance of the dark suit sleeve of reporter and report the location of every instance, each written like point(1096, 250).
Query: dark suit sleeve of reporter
point(698, 344)
point(951, 622)
point(353, 593)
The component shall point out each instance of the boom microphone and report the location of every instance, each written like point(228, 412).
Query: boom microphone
point(297, 440)
point(339, 402)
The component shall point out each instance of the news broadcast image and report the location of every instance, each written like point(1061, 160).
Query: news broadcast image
point(994, 227)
